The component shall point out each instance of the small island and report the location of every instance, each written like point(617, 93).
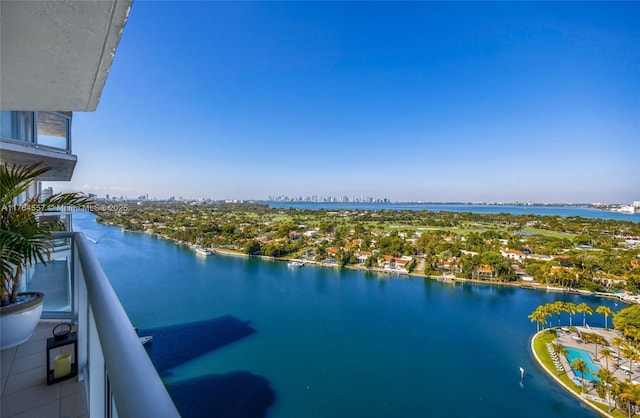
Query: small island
point(600, 366)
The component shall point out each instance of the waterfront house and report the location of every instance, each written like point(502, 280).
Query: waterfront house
point(522, 274)
point(389, 262)
point(512, 254)
point(450, 265)
point(362, 256)
point(483, 271)
point(332, 251)
point(610, 281)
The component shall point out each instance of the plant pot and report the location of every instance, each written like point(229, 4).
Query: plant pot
point(18, 320)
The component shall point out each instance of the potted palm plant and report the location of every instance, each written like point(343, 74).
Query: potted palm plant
point(24, 241)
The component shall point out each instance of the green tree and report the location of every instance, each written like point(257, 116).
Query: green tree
point(618, 342)
point(557, 308)
point(606, 311)
point(582, 240)
point(630, 395)
point(607, 354)
point(570, 308)
point(252, 247)
point(538, 317)
point(627, 317)
point(630, 354)
point(605, 384)
point(580, 366)
point(23, 239)
point(392, 245)
point(558, 348)
point(584, 309)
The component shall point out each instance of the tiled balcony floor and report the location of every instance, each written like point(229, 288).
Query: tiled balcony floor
point(24, 389)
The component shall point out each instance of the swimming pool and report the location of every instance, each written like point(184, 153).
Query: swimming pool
point(574, 353)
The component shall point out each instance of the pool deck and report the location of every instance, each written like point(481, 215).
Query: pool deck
point(567, 340)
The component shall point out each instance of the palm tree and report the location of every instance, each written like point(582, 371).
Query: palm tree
point(633, 333)
point(23, 239)
point(606, 354)
point(629, 353)
point(606, 381)
point(587, 337)
point(556, 308)
point(546, 310)
point(631, 395)
point(585, 309)
point(539, 317)
point(558, 348)
point(570, 308)
point(615, 390)
point(598, 339)
point(606, 311)
point(620, 342)
point(580, 366)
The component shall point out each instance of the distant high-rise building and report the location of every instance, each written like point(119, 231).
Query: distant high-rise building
point(47, 192)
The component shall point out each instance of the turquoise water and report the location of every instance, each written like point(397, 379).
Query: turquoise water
point(583, 212)
point(574, 353)
point(320, 342)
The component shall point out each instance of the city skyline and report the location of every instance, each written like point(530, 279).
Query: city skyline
point(347, 199)
point(412, 101)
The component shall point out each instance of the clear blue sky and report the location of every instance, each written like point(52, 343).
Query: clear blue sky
point(425, 101)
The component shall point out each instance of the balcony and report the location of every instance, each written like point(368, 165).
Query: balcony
point(31, 137)
point(116, 375)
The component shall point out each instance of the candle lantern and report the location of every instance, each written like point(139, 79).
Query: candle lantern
point(63, 347)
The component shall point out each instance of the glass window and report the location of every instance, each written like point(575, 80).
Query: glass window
point(53, 130)
point(16, 125)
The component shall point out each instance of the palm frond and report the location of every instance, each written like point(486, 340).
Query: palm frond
point(24, 240)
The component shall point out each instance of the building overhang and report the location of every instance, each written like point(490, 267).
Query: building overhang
point(61, 164)
point(56, 54)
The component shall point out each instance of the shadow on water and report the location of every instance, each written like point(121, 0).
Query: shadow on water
point(231, 395)
point(234, 395)
point(176, 344)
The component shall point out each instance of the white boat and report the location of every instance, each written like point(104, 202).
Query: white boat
point(295, 264)
point(146, 339)
point(203, 251)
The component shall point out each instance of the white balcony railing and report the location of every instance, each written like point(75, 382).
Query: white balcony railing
point(121, 380)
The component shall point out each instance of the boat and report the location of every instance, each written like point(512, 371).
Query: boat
point(147, 338)
point(295, 264)
point(203, 251)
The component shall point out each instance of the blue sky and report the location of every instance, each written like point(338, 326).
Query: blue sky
point(424, 101)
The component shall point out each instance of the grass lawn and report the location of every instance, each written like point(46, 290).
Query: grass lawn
point(545, 232)
point(541, 350)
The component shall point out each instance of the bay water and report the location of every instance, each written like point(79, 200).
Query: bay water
point(322, 342)
point(566, 211)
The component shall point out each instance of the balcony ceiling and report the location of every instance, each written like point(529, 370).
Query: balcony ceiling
point(56, 54)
